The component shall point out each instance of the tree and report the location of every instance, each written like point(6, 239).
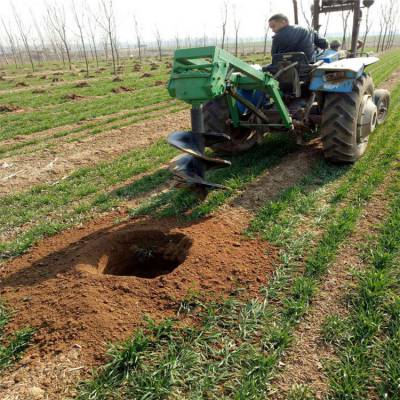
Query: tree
point(79, 24)
point(92, 33)
point(306, 18)
point(24, 36)
point(236, 22)
point(138, 38)
point(224, 23)
point(266, 32)
point(108, 25)
point(11, 42)
point(345, 20)
point(40, 35)
point(159, 44)
point(368, 26)
point(56, 18)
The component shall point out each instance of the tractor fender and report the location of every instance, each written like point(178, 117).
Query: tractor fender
point(339, 76)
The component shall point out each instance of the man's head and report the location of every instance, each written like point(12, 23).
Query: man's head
point(277, 22)
point(335, 45)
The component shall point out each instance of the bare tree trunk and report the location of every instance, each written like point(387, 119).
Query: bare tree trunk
point(80, 29)
point(11, 43)
point(56, 17)
point(266, 32)
point(327, 24)
point(138, 38)
point(345, 19)
point(224, 22)
point(3, 53)
point(236, 22)
point(40, 36)
point(367, 29)
point(159, 44)
point(108, 26)
point(306, 18)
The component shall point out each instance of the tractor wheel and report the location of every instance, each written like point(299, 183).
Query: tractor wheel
point(216, 115)
point(382, 101)
point(347, 121)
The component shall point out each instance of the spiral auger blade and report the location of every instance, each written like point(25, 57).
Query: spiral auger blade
point(189, 169)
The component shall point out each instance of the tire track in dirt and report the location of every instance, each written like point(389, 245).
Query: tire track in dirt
point(304, 359)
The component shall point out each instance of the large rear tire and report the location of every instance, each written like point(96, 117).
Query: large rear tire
point(347, 121)
point(216, 115)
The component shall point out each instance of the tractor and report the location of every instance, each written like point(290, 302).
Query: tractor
point(234, 104)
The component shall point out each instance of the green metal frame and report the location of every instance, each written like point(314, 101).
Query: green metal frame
point(203, 74)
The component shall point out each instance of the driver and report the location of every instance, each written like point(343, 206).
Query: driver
point(293, 38)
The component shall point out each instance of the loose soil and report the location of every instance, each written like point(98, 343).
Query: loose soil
point(7, 108)
point(72, 289)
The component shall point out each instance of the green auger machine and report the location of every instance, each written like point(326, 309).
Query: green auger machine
point(235, 104)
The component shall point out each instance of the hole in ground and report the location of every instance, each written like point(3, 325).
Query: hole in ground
point(145, 254)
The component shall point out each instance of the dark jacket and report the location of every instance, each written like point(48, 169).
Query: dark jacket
point(296, 38)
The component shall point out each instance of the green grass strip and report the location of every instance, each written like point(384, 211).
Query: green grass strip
point(368, 341)
point(13, 345)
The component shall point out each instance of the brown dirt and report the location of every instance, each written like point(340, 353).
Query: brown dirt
point(82, 84)
point(122, 89)
point(6, 108)
point(60, 289)
point(289, 172)
point(73, 96)
point(117, 79)
point(303, 363)
point(38, 91)
point(146, 75)
point(49, 165)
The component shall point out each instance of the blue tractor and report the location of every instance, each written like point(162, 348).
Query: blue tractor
point(234, 104)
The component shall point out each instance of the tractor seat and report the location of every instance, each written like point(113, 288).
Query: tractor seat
point(290, 80)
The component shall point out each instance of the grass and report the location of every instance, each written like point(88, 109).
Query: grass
point(367, 342)
point(12, 345)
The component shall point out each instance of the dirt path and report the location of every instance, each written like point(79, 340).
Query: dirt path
point(49, 165)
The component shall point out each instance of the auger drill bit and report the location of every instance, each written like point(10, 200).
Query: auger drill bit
point(190, 168)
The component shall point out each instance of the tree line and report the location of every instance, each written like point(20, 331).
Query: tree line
point(91, 34)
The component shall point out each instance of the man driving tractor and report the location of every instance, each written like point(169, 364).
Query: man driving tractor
point(293, 38)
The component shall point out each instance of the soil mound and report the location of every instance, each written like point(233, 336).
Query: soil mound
point(122, 89)
point(73, 96)
point(21, 84)
point(82, 84)
point(8, 108)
